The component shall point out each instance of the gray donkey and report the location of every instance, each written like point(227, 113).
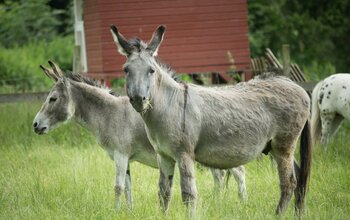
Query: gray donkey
point(219, 127)
point(117, 126)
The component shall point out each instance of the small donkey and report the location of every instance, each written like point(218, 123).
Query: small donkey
point(113, 121)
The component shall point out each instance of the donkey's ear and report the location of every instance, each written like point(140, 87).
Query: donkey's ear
point(124, 47)
point(156, 40)
point(56, 69)
point(49, 73)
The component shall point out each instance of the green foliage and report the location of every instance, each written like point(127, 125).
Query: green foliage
point(317, 31)
point(31, 33)
point(19, 66)
point(118, 82)
point(317, 71)
point(66, 175)
point(186, 78)
point(27, 21)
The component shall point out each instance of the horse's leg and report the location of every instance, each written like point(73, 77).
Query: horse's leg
point(239, 175)
point(218, 176)
point(283, 152)
point(327, 121)
point(128, 192)
point(187, 180)
point(338, 119)
point(121, 164)
point(166, 168)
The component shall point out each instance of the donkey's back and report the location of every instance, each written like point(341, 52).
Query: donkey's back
point(242, 119)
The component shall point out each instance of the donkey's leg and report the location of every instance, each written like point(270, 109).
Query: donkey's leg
point(121, 164)
point(128, 192)
point(283, 152)
point(166, 168)
point(218, 176)
point(187, 180)
point(327, 121)
point(239, 175)
point(299, 204)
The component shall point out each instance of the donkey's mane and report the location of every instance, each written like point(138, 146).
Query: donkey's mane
point(92, 82)
point(271, 75)
point(168, 69)
point(138, 44)
point(266, 75)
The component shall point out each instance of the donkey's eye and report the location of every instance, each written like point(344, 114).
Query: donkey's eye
point(126, 70)
point(52, 99)
point(151, 70)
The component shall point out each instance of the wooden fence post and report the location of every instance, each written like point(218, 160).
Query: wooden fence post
point(286, 59)
point(77, 65)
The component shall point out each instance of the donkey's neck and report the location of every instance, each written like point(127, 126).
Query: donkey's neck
point(91, 104)
point(167, 93)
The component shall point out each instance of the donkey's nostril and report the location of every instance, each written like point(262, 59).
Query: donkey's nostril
point(131, 99)
point(143, 98)
point(35, 124)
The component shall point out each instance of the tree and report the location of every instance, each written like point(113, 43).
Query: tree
point(26, 21)
point(317, 30)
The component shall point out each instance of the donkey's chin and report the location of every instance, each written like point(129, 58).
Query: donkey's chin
point(40, 131)
point(143, 108)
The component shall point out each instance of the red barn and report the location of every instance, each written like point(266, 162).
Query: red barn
point(199, 33)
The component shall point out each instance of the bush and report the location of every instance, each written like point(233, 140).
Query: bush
point(19, 66)
point(315, 32)
point(22, 22)
point(318, 71)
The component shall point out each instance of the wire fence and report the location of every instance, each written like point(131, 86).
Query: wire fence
point(23, 84)
point(23, 97)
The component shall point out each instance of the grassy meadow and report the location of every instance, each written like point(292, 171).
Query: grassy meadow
point(66, 175)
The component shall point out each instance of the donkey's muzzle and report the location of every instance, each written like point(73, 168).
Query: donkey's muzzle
point(138, 103)
point(38, 129)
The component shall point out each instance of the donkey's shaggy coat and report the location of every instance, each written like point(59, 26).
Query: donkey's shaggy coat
point(219, 127)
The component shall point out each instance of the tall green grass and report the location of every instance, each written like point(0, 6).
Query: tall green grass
point(19, 66)
point(66, 175)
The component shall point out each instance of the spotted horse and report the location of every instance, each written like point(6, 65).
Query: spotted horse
point(330, 106)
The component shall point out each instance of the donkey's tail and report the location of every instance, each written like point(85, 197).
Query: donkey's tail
point(315, 115)
point(303, 173)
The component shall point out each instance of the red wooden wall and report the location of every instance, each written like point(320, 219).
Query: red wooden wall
point(199, 33)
